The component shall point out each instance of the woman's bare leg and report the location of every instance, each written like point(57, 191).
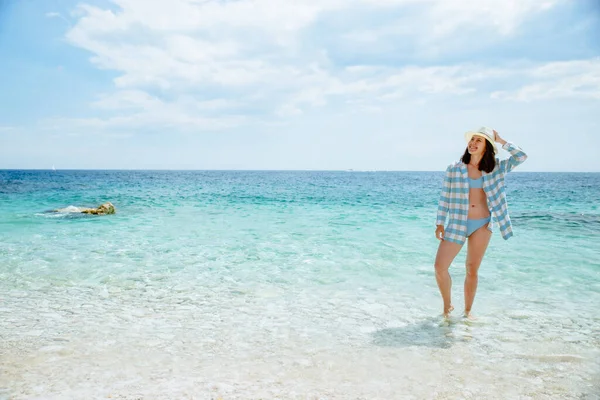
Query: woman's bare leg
point(446, 253)
point(478, 243)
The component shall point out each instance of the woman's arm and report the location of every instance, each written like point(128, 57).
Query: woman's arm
point(517, 155)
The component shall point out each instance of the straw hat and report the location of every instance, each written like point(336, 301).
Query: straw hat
point(486, 133)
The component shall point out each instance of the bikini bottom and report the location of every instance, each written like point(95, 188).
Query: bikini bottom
point(474, 224)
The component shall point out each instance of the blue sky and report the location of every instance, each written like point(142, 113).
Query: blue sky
point(304, 84)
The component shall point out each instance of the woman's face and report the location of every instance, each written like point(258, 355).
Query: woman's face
point(476, 145)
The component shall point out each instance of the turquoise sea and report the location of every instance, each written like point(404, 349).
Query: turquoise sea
point(290, 285)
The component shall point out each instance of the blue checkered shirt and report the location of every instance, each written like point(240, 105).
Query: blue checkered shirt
point(454, 199)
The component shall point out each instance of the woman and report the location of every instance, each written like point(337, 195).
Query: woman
point(472, 197)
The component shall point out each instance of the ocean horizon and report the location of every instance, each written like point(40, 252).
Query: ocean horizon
point(267, 170)
point(290, 284)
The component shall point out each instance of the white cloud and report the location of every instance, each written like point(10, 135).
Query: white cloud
point(131, 110)
point(7, 129)
point(500, 16)
point(125, 100)
point(208, 65)
point(57, 15)
point(443, 27)
point(161, 116)
point(565, 79)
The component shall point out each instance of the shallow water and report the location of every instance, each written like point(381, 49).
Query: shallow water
point(289, 285)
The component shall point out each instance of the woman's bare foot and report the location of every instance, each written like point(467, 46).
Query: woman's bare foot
point(470, 316)
point(448, 311)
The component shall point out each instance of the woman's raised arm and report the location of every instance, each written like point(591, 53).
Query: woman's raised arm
point(517, 155)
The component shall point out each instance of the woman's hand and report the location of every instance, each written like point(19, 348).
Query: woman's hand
point(439, 232)
point(498, 139)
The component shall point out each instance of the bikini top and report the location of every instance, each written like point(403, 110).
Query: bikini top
point(476, 183)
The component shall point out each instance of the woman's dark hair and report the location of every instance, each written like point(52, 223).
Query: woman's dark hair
point(488, 161)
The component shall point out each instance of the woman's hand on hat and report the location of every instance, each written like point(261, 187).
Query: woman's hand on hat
point(498, 139)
